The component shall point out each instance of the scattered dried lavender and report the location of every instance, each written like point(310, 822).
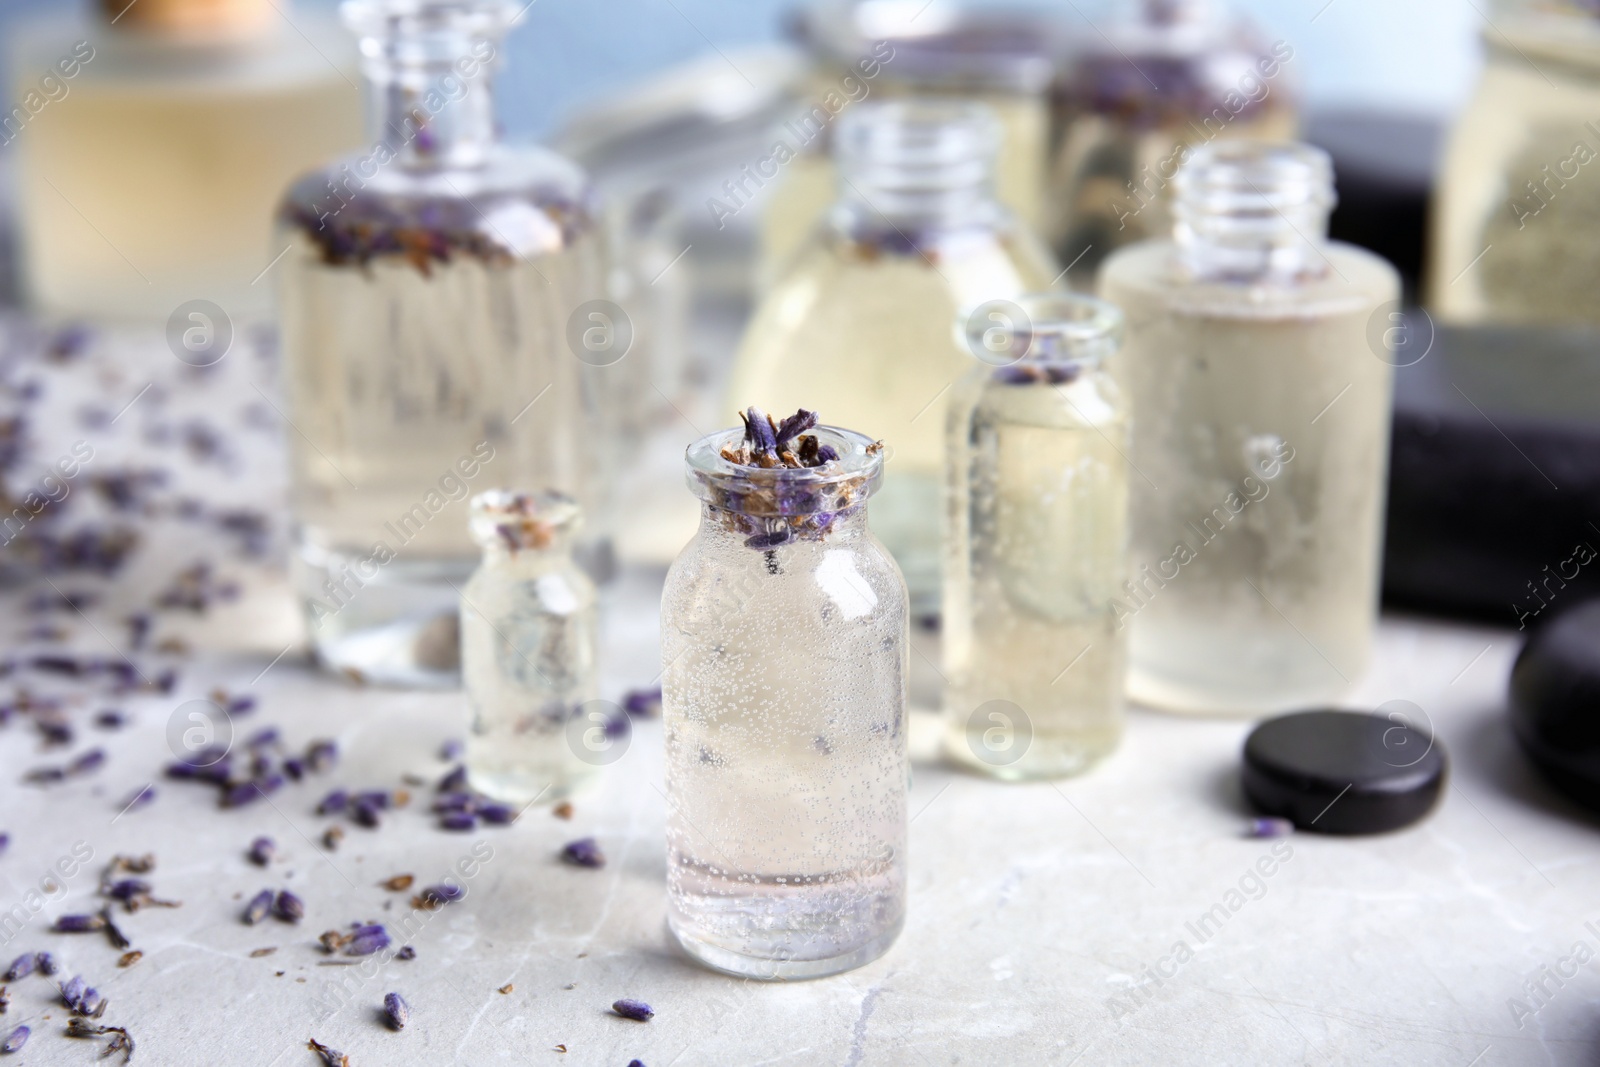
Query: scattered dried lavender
point(584, 852)
point(451, 750)
point(455, 781)
point(363, 939)
point(15, 1040)
point(330, 1057)
point(262, 850)
point(643, 703)
point(396, 1012)
point(331, 838)
point(437, 896)
point(289, 907)
point(141, 798)
point(79, 924)
point(637, 1010)
point(334, 803)
point(47, 964)
point(1269, 826)
point(406, 953)
point(259, 907)
point(20, 967)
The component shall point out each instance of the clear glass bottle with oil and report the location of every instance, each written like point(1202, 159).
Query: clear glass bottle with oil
point(1257, 372)
point(785, 633)
point(437, 296)
point(529, 636)
point(915, 238)
point(1516, 226)
point(153, 141)
point(1036, 545)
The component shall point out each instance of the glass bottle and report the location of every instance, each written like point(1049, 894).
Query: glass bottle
point(1516, 233)
point(438, 300)
point(529, 631)
point(915, 237)
point(785, 632)
point(1166, 77)
point(153, 142)
point(1258, 373)
point(1036, 543)
point(1004, 58)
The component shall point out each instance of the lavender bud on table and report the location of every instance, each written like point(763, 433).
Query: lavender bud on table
point(1269, 826)
point(636, 1010)
point(20, 967)
point(396, 1012)
point(258, 908)
point(369, 938)
point(584, 852)
point(334, 803)
point(79, 924)
point(15, 1040)
point(262, 850)
point(458, 820)
point(289, 907)
point(47, 964)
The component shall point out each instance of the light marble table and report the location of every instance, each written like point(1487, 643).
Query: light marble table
point(1045, 920)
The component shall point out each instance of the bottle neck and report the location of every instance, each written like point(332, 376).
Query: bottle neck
point(1254, 212)
point(916, 164)
point(842, 527)
point(429, 70)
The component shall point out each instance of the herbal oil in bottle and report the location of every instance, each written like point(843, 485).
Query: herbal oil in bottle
point(529, 631)
point(784, 631)
point(1036, 547)
point(915, 239)
point(426, 299)
point(1166, 76)
point(153, 141)
point(1516, 230)
point(1260, 385)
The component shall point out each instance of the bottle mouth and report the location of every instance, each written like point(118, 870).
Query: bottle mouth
point(1070, 331)
point(522, 521)
point(1246, 178)
point(773, 505)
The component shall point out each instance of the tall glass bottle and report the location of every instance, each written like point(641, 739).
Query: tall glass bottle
point(153, 140)
point(1257, 372)
point(529, 637)
point(1167, 76)
point(784, 635)
point(1036, 545)
point(428, 293)
point(1516, 229)
point(865, 308)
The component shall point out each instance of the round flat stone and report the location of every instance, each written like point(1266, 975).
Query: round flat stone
point(1555, 702)
point(1343, 772)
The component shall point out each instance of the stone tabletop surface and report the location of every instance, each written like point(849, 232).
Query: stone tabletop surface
point(1120, 918)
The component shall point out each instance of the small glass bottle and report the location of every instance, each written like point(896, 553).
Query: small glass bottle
point(784, 634)
point(1036, 544)
point(1516, 231)
point(438, 300)
point(915, 237)
point(529, 631)
point(1165, 77)
point(153, 141)
point(1257, 372)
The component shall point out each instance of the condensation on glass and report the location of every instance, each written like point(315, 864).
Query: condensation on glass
point(1259, 376)
point(784, 638)
point(428, 300)
point(529, 631)
point(865, 307)
point(1036, 542)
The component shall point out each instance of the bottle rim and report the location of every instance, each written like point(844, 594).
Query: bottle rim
point(785, 492)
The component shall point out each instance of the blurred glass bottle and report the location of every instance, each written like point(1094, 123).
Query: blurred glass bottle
point(1259, 378)
point(1167, 75)
point(441, 315)
point(865, 307)
point(1004, 58)
point(1516, 225)
point(154, 142)
point(1037, 517)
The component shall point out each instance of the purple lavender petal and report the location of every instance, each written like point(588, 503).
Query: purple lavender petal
point(262, 849)
point(334, 803)
point(365, 814)
point(16, 1040)
point(111, 719)
point(758, 430)
point(1269, 826)
point(5, 843)
point(127, 889)
point(768, 540)
point(294, 767)
point(141, 799)
point(584, 852)
point(459, 820)
point(455, 781)
point(78, 924)
point(636, 1010)
point(496, 814)
point(267, 735)
point(289, 907)
point(396, 1012)
point(444, 893)
point(91, 1003)
point(798, 423)
point(238, 796)
point(406, 953)
point(47, 964)
point(72, 990)
point(258, 907)
point(644, 703)
point(322, 755)
point(449, 802)
point(376, 798)
point(451, 750)
point(20, 967)
point(87, 763)
point(368, 939)
point(240, 706)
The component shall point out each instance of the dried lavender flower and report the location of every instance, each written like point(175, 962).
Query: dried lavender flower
point(20, 967)
point(376, 798)
point(334, 803)
point(91, 1003)
point(451, 750)
point(259, 906)
point(289, 907)
point(322, 755)
point(142, 798)
point(127, 890)
point(79, 924)
point(72, 990)
point(369, 938)
point(47, 964)
point(459, 820)
point(406, 953)
point(262, 851)
point(1269, 826)
point(330, 1057)
point(396, 1012)
point(496, 814)
point(437, 896)
point(455, 781)
point(455, 802)
point(643, 703)
point(584, 852)
point(637, 1010)
point(331, 838)
point(15, 1040)
point(635, 1063)
point(118, 939)
point(365, 813)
